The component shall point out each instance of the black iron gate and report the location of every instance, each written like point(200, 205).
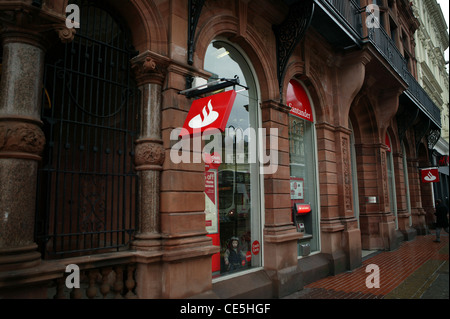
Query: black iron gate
point(87, 185)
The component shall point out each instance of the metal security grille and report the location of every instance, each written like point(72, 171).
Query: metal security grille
point(87, 187)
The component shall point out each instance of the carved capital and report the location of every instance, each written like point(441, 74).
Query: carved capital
point(65, 34)
point(21, 139)
point(23, 22)
point(149, 155)
point(149, 67)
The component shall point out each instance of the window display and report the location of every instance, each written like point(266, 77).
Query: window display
point(238, 203)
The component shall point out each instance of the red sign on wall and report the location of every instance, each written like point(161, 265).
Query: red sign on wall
point(430, 175)
point(298, 100)
point(256, 247)
point(211, 112)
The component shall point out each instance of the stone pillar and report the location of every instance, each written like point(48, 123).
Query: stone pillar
point(417, 212)
point(149, 153)
point(376, 220)
point(150, 72)
point(351, 236)
point(185, 267)
point(280, 235)
point(402, 207)
point(330, 210)
point(21, 144)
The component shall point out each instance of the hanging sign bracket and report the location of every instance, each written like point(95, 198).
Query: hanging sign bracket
point(212, 87)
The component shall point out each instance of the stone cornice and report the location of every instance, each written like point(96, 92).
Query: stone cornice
point(26, 23)
point(437, 19)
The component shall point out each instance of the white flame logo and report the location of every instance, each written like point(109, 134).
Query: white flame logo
point(207, 117)
point(430, 177)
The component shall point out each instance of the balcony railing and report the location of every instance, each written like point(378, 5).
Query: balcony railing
point(354, 15)
point(349, 10)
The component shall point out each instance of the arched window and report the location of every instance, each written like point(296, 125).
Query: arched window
point(406, 179)
point(391, 180)
point(239, 197)
point(303, 167)
point(87, 187)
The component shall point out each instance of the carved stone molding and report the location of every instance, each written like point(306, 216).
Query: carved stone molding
point(274, 105)
point(149, 155)
point(347, 174)
point(150, 67)
point(22, 22)
point(19, 139)
point(65, 34)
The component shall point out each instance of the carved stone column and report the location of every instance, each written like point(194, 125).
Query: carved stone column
point(149, 155)
point(21, 144)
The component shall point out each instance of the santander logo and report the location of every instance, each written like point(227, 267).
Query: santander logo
point(430, 177)
point(207, 117)
point(210, 112)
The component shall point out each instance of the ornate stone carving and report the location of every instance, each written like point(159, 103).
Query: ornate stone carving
point(23, 22)
point(347, 174)
point(66, 35)
point(149, 67)
point(384, 177)
point(149, 155)
point(21, 140)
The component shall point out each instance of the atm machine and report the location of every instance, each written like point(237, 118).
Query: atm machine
point(300, 214)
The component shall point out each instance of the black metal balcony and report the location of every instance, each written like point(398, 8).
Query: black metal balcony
point(340, 22)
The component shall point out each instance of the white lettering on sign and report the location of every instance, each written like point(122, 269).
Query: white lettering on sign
point(299, 112)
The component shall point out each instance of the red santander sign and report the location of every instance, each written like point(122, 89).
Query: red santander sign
point(211, 112)
point(430, 175)
point(298, 100)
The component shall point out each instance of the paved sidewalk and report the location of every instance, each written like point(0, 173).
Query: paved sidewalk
point(418, 269)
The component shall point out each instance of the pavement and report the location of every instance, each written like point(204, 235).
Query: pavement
point(418, 269)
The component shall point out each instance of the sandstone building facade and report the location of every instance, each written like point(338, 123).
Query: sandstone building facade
point(87, 122)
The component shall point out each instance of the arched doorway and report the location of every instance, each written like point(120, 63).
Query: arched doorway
point(87, 186)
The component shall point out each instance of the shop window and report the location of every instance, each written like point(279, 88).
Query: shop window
point(406, 179)
point(391, 180)
point(303, 168)
point(237, 230)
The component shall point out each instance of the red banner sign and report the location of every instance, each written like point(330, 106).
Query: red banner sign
point(211, 112)
point(430, 175)
point(298, 100)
